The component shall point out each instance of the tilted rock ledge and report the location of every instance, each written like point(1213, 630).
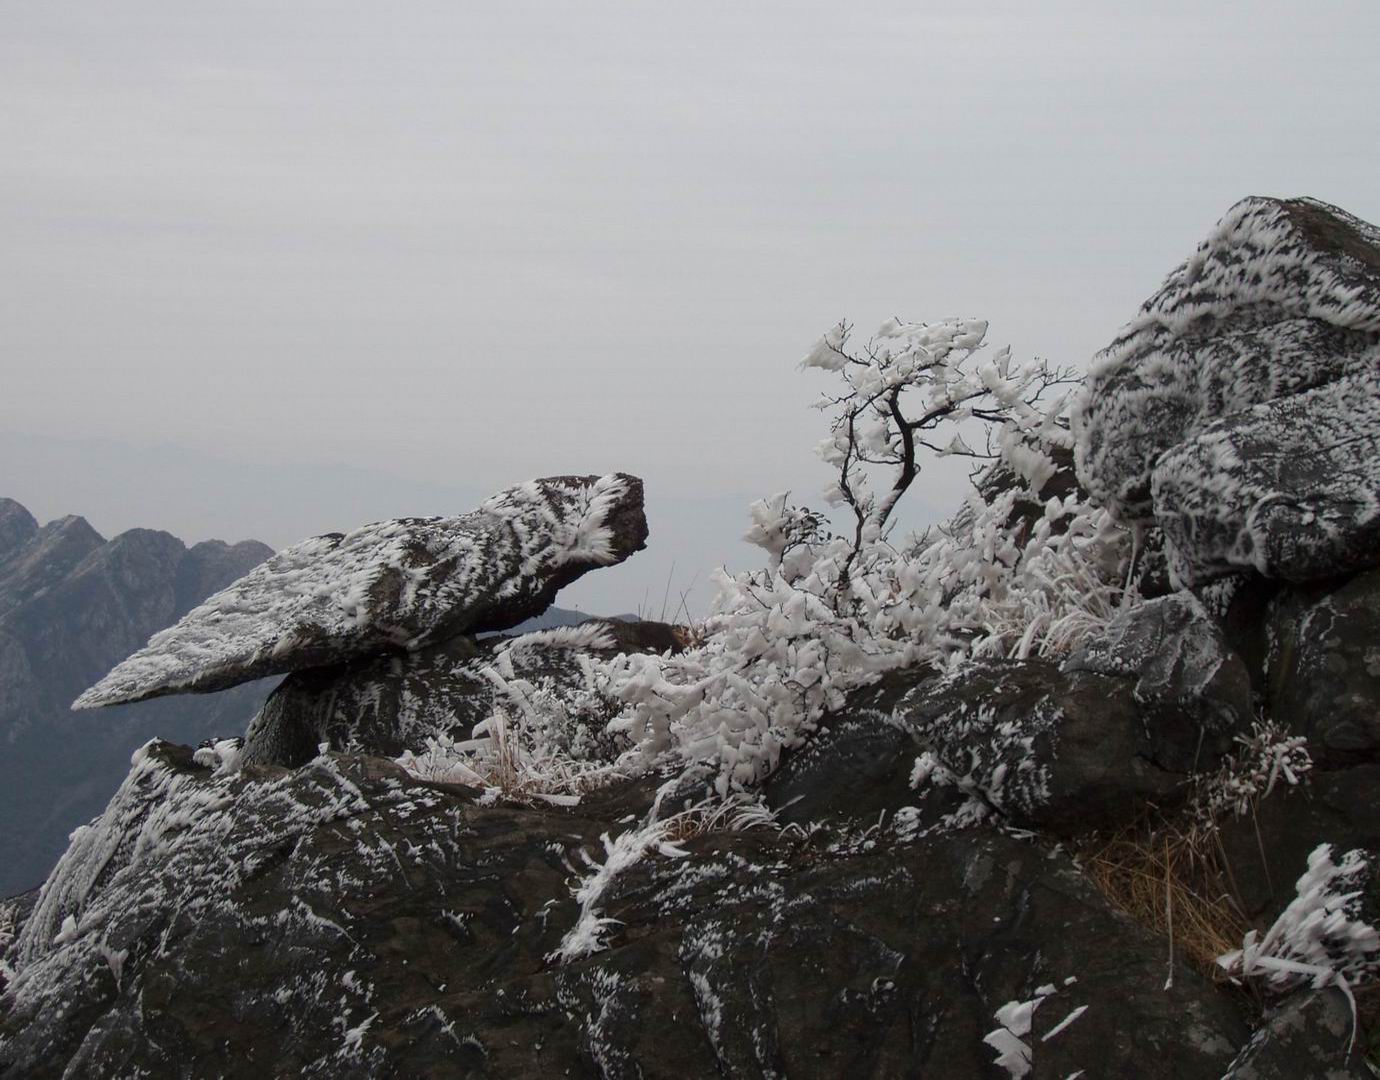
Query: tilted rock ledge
point(391, 586)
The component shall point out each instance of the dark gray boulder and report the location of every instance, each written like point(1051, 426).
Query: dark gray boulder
point(389, 587)
point(1059, 750)
point(1178, 656)
point(1040, 746)
point(344, 920)
point(1324, 667)
point(1310, 1034)
point(1288, 488)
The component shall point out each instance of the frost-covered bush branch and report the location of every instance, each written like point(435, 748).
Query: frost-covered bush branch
point(1320, 939)
point(1013, 572)
point(910, 382)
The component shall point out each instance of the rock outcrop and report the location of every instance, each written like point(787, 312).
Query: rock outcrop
point(391, 586)
point(345, 920)
point(1238, 410)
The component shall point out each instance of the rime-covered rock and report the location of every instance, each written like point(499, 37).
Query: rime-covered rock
point(1324, 666)
point(389, 587)
point(1175, 651)
point(1289, 488)
point(345, 920)
point(386, 705)
point(1308, 1034)
point(1063, 750)
point(1282, 297)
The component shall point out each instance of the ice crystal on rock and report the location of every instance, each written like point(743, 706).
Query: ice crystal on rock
point(1289, 488)
point(1283, 296)
point(391, 586)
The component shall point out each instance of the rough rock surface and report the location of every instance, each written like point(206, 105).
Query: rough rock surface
point(1037, 745)
point(391, 586)
point(385, 705)
point(1283, 296)
point(1308, 1035)
point(1176, 652)
point(1290, 488)
point(343, 920)
point(1264, 851)
point(73, 604)
point(1324, 666)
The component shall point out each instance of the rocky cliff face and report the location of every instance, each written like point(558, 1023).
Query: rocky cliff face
point(1088, 790)
point(71, 605)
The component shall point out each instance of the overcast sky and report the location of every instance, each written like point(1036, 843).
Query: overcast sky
point(318, 259)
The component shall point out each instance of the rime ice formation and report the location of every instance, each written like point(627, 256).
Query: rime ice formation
point(386, 705)
point(1290, 488)
point(886, 796)
point(391, 586)
point(1177, 654)
point(1281, 299)
point(1284, 295)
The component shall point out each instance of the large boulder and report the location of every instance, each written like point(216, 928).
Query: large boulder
point(345, 920)
point(1061, 750)
point(1289, 488)
point(391, 586)
point(1283, 298)
point(1323, 677)
point(1064, 749)
point(1177, 654)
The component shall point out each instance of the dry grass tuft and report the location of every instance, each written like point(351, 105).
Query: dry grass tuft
point(1162, 876)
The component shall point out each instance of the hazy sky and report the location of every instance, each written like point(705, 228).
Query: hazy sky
point(430, 249)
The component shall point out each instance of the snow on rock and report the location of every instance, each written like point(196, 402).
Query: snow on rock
point(1308, 1034)
point(1053, 749)
point(1176, 652)
point(389, 705)
point(391, 586)
point(1283, 296)
point(1289, 488)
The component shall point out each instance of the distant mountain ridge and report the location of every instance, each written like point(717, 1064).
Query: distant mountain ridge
point(73, 604)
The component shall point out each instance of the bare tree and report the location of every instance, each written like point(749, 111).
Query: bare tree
point(908, 384)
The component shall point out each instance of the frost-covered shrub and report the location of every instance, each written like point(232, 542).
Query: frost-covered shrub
point(1320, 938)
point(544, 741)
point(830, 613)
point(1263, 759)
